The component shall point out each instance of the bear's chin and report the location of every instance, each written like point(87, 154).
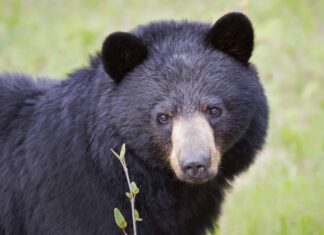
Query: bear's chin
point(196, 181)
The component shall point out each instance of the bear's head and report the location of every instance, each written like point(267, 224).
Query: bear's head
point(184, 93)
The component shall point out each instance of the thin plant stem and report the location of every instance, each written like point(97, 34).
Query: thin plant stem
point(124, 232)
point(132, 199)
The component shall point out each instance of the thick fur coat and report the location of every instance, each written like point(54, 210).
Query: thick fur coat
point(57, 173)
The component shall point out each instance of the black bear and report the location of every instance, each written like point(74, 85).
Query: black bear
point(181, 95)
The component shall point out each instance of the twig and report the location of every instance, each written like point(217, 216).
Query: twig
point(133, 189)
point(132, 199)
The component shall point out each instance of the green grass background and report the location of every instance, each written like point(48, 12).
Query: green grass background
point(283, 192)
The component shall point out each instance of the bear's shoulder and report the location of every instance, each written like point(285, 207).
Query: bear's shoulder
point(18, 91)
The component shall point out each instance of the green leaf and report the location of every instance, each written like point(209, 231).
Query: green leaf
point(135, 190)
point(120, 219)
point(136, 215)
point(129, 195)
point(122, 152)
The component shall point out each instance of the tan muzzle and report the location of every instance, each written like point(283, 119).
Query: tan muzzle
point(194, 156)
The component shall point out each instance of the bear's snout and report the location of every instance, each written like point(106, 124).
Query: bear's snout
point(194, 156)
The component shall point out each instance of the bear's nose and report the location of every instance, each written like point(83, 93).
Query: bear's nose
point(195, 167)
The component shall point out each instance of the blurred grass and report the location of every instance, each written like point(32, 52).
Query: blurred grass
point(283, 192)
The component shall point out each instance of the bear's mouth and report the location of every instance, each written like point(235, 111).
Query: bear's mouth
point(196, 180)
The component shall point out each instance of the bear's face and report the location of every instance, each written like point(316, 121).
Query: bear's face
point(182, 107)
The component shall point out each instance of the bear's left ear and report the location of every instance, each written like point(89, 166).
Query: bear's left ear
point(121, 52)
point(233, 34)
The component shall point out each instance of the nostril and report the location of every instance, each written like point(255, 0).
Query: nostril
point(201, 168)
point(188, 168)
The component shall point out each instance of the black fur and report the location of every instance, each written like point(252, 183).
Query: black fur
point(233, 34)
point(57, 174)
point(121, 52)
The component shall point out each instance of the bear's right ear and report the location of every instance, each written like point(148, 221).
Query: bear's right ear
point(121, 52)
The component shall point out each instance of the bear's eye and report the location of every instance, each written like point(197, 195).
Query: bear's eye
point(163, 118)
point(214, 111)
